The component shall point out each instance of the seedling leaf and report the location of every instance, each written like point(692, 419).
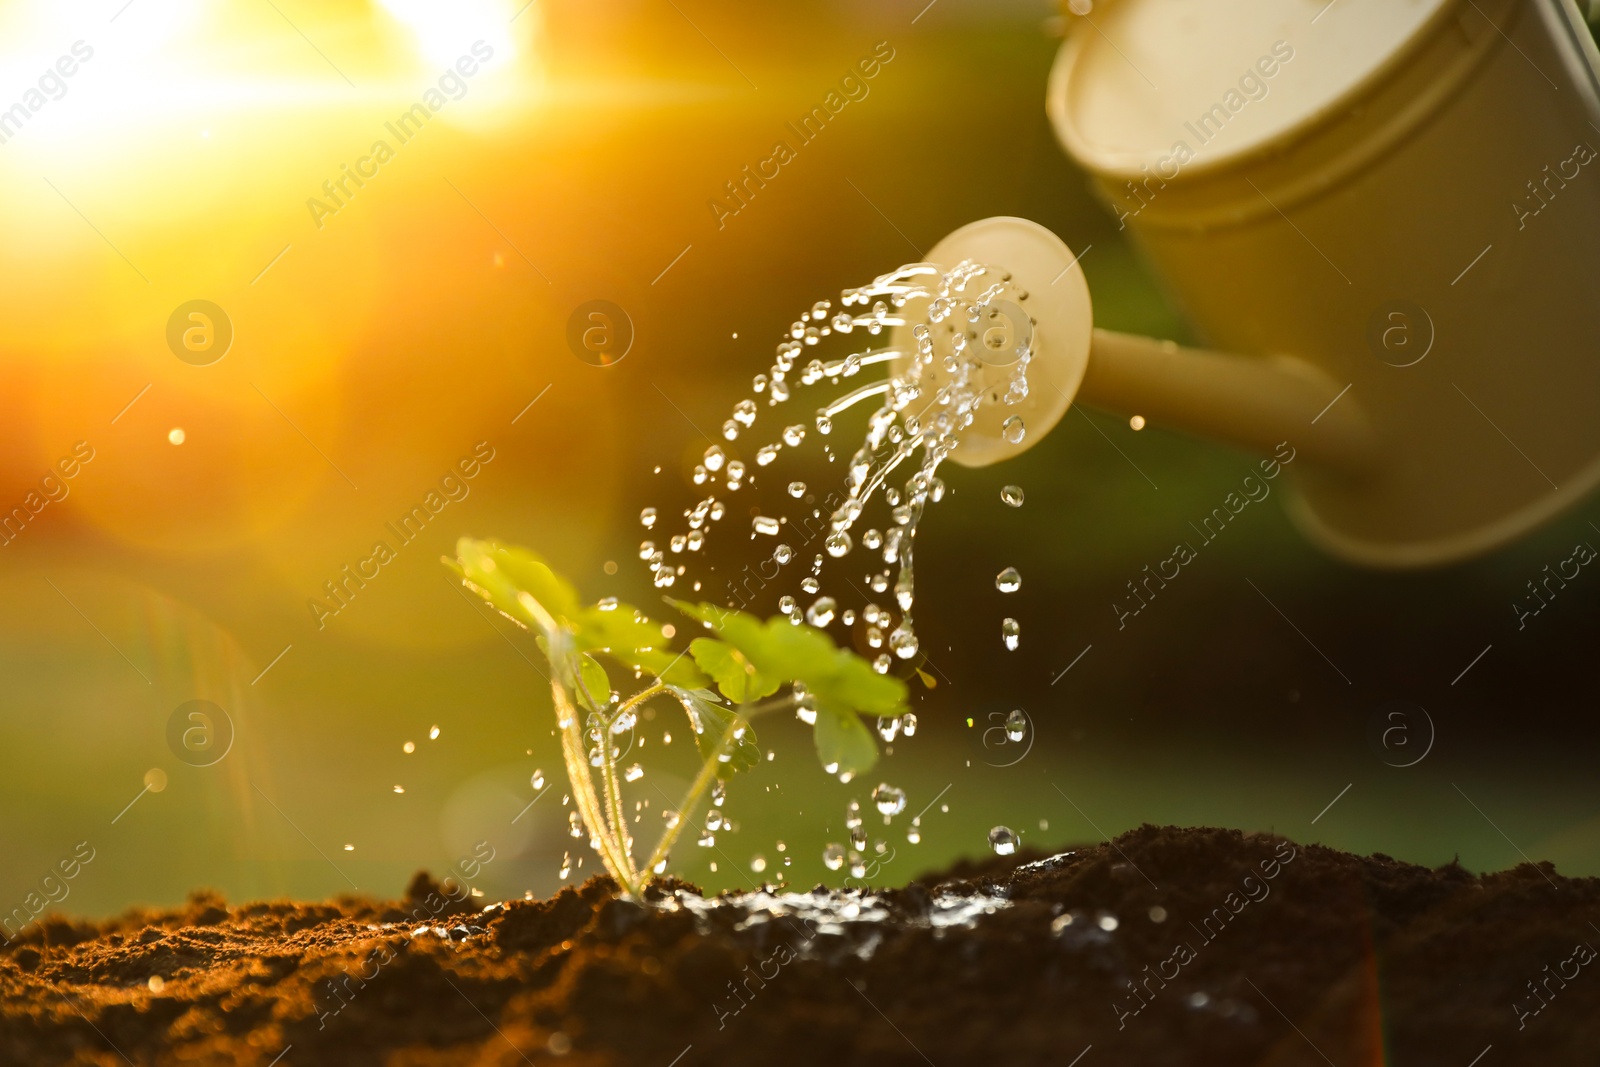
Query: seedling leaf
point(710, 720)
point(516, 582)
point(596, 692)
point(635, 641)
point(844, 744)
point(735, 675)
point(837, 682)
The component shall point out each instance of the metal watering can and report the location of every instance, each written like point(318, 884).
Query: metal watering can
point(1383, 216)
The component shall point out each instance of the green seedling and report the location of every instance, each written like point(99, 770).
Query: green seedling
point(738, 670)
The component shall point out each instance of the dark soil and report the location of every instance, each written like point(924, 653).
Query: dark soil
point(1165, 946)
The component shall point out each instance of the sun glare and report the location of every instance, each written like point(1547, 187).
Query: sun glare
point(443, 32)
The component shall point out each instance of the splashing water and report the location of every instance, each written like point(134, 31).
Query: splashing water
point(889, 799)
point(1003, 840)
point(937, 384)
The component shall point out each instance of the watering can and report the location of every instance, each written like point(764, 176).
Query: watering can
point(1383, 219)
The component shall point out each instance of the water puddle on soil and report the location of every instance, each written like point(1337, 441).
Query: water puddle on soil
point(859, 916)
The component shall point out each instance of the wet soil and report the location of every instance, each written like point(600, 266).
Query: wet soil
point(1165, 946)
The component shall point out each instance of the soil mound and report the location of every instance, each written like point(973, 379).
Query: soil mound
point(1165, 946)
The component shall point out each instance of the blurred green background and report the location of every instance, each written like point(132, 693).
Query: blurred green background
point(1209, 708)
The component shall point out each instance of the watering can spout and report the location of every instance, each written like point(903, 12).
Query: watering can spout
point(1258, 403)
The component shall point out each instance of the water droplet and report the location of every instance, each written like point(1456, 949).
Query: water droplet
point(890, 800)
point(1106, 921)
point(837, 544)
point(730, 430)
point(797, 489)
point(793, 435)
point(1011, 634)
point(1016, 725)
point(1014, 430)
point(782, 554)
point(766, 454)
point(765, 525)
point(433, 733)
point(882, 664)
point(758, 863)
point(1008, 580)
point(607, 604)
point(1003, 840)
point(1012, 494)
point(744, 412)
point(833, 857)
point(824, 424)
point(903, 642)
point(409, 747)
point(634, 773)
point(810, 584)
point(715, 457)
point(888, 728)
point(820, 614)
point(566, 866)
point(706, 840)
point(908, 723)
point(1137, 422)
point(647, 518)
point(537, 781)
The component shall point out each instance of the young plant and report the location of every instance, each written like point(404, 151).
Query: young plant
point(756, 667)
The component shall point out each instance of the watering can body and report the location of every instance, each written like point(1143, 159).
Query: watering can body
point(1387, 214)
